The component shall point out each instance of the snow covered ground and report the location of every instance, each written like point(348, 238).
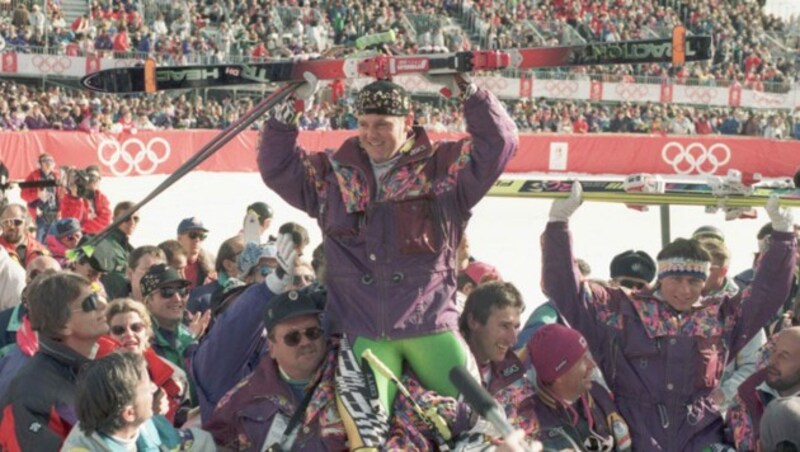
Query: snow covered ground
point(503, 231)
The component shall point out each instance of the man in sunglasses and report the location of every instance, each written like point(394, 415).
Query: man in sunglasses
point(43, 203)
point(260, 411)
point(574, 412)
point(37, 412)
point(16, 239)
point(191, 234)
point(633, 269)
point(165, 295)
point(114, 250)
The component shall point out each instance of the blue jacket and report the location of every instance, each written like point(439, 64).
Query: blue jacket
point(232, 348)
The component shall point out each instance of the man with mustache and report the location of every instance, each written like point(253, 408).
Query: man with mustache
point(780, 378)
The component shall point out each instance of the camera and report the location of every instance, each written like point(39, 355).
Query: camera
point(80, 179)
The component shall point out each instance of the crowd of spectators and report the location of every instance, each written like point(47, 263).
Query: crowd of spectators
point(181, 32)
point(748, 47)
point(29, 107)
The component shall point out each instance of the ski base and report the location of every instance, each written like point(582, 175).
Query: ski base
point(674, 193)
point(150, 78)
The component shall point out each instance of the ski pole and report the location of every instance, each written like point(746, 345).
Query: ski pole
point(199, 157)
point(430, 417)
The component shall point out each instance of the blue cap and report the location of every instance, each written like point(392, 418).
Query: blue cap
point(64, 227)
point(187, 224)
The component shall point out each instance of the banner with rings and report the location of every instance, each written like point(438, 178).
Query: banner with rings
point(162, 152)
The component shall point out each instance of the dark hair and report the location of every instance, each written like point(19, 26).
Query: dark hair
point(228, 251)
point(299, 233)
point(105, 388)
point(492, 294)
point(171, 248)
point(122, 207)
point(49, 298)
point(764, 231)
point(138, 253)
point(686, 248)
point(318, 262)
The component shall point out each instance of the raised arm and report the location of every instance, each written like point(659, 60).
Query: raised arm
point(297, 176)
point(587, 307)
point(773, 278)
point(476, 163)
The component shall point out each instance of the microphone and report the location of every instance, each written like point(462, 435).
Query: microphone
point(480, 400)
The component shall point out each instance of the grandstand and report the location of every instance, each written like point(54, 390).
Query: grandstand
point(749, 88)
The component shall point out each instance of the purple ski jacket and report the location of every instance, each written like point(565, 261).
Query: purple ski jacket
point(661, 365)
point(391, 252)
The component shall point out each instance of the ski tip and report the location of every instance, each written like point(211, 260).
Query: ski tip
point(679, 45)
point(150, 76)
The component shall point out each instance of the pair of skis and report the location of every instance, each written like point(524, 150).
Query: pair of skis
point(728, 194)
point(150, 78)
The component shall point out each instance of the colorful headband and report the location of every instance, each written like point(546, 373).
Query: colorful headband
point(383, 98)
point(675, 266)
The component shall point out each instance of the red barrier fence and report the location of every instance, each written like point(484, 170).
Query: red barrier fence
point(164, 151)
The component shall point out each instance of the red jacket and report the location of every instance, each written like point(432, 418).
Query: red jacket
point(30, 249)
point(31, 195)
point(162, 373)
point(94, 217)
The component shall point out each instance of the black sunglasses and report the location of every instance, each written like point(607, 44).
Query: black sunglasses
point(119, 330)
point(197, 235)
point(293, 339)
point(90, 303)
point(168, 292)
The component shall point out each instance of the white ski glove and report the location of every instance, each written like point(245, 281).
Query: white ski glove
point(287, 255)
point(290, 110)
point(251, 228)
point(454, 85)
point(782, 219)
point(563, 208)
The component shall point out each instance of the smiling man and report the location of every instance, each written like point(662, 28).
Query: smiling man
point(780, 378)
point(393, 205)
point(663, 351)
point(574, 412)
point(165, 295)
point(490, 325)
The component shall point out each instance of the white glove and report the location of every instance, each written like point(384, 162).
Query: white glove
point(782, 219)
point(563, 208)
point(454, 85)
point(305, 93)
point(251, 228)
point(44, 195)
point(287, 255)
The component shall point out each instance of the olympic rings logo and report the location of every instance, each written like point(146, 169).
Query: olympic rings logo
point(696, 157)
point(767, 100)
point(123, 158)
point(700, 95)
point(631, 90)
point(561, 88)
point(494, 84)
point(51, 64)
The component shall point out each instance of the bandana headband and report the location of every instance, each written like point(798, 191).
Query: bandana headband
point(383, 98)
point(676, 266)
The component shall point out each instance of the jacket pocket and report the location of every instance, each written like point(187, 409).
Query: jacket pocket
point(710, 361)
point(415, 223)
